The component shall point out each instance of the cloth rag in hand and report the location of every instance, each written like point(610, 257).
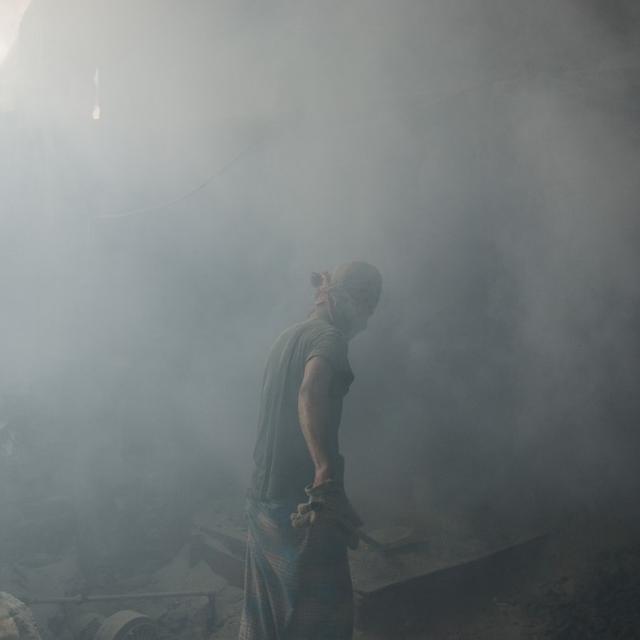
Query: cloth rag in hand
point(328, 503)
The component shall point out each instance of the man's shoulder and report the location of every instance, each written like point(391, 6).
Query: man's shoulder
point(312, 327)
point(313, 334)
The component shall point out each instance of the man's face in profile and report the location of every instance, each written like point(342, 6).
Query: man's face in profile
point(360, 319)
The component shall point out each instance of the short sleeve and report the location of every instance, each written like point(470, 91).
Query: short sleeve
point(331, 345)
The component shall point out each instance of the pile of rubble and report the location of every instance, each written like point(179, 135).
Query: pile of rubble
point(195, 595)
point(16, 620)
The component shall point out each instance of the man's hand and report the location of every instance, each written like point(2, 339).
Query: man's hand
point(328, 503)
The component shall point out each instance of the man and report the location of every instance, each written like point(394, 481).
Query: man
point(297, 583)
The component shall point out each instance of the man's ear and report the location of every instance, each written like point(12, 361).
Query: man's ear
point(320, 279)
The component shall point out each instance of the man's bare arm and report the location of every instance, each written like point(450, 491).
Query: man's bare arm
point(313, 407)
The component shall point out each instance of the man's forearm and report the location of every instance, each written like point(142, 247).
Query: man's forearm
point(312, 411)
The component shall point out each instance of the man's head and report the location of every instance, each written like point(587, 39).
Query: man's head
point(350, 294)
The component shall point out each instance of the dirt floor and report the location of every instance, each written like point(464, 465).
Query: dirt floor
point(580, 581)
point(583, 583)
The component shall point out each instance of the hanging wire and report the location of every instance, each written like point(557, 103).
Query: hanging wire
point(560, 74)
point(170, 203)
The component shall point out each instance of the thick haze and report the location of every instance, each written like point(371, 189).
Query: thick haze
point(483, 154)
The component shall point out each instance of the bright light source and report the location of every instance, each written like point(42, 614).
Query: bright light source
point(11, 12)
point(96, 105)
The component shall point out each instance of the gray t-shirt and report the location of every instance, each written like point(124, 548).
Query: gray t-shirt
point(283, 465)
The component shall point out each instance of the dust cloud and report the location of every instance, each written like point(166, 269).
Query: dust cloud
point(483, 155)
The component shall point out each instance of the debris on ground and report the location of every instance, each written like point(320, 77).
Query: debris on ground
point(16, 620)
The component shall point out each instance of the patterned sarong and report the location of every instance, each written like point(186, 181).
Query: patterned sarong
point(297, 581)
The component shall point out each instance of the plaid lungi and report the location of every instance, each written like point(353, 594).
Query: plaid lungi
point(297, 581)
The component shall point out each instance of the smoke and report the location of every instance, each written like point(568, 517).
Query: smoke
point(481, 154)
point(10, 15)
